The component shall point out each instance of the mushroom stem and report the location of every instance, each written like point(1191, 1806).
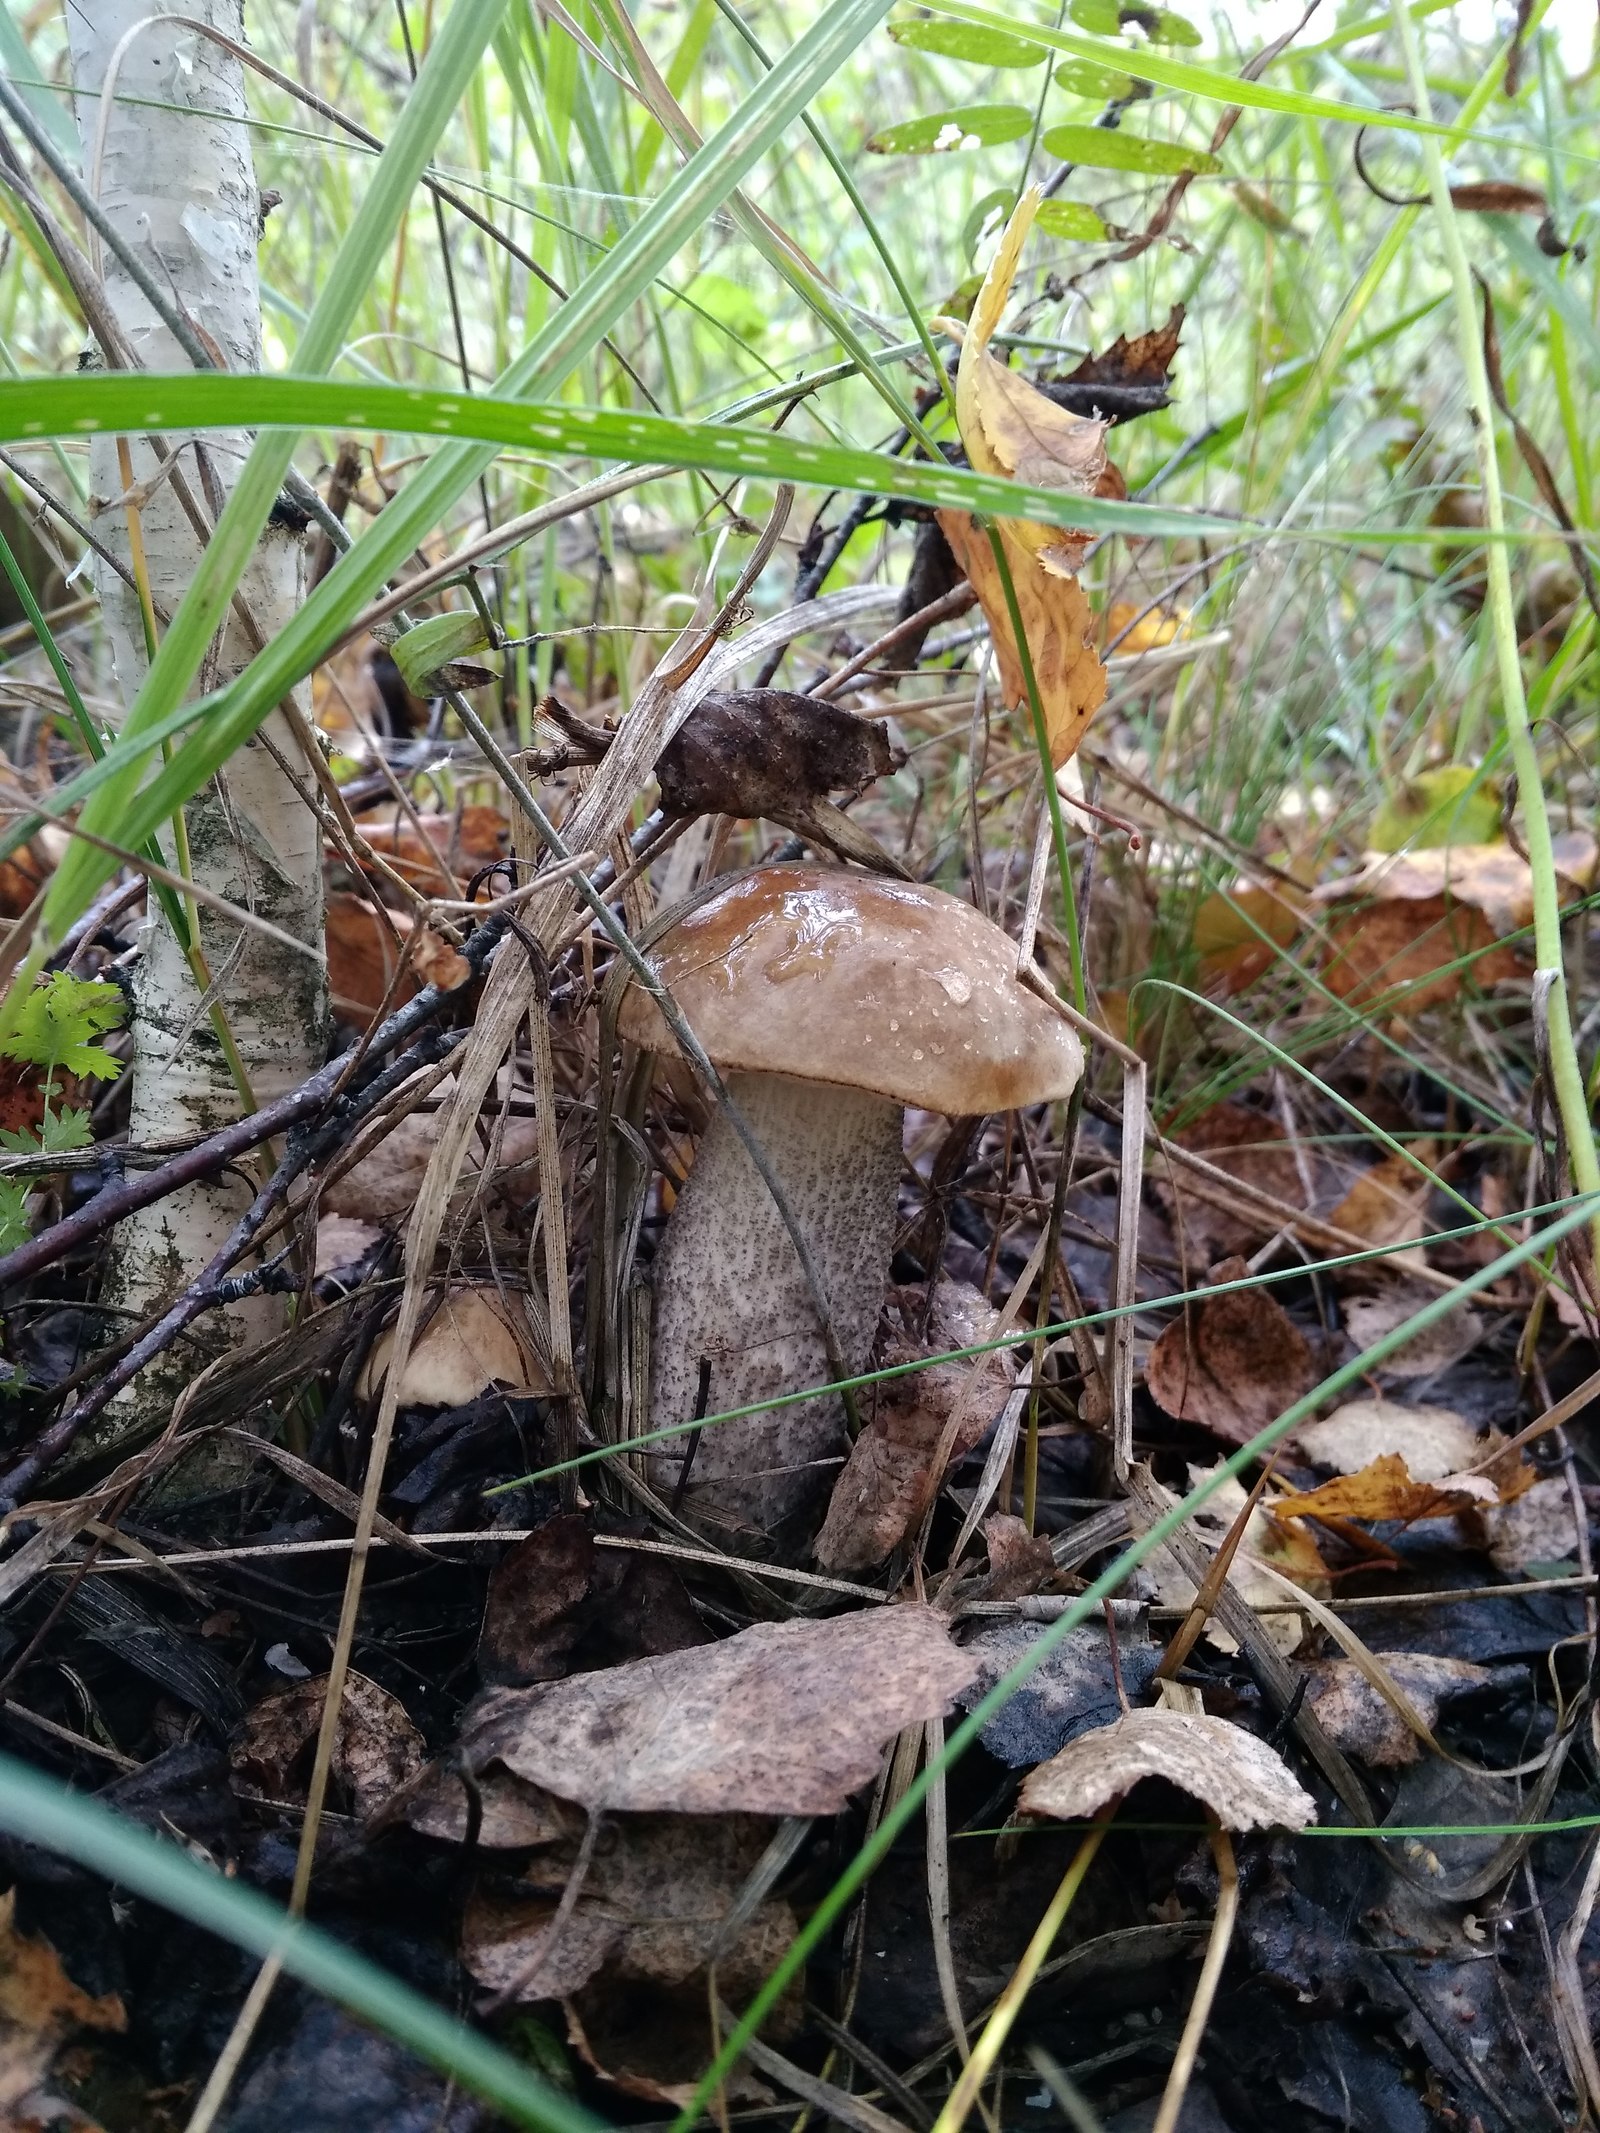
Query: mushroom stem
point(729, 1287)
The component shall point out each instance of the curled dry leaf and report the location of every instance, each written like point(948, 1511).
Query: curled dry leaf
point(1232, 1363)
point(39, 2008)
point(1363, 1722)
point(1237, 1776)
point(1010, 428)
point(788, 1718)
point(652, 2045)
point(378, 1748)
point(472, 1343)
point(650, 1912)
point(1131, 376)
point(1386, 1489)
point(890, 1474)
point(558, 1604)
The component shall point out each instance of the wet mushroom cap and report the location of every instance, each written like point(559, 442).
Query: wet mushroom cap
point(866, 983)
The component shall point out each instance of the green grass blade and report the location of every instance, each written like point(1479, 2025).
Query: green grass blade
point(571, 334)
point(41, 1812)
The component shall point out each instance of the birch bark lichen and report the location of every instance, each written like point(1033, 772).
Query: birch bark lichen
point(171, 167)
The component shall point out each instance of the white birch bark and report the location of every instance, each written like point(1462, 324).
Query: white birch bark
point(175, 177)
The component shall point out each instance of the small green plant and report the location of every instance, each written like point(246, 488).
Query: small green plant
point(55, 1032)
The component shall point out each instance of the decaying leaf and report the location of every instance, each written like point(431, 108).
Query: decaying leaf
point(1237, 1776)
point(558, 1604)
point(1249, 1145)
point(1009, 427)
point(31, 865)
point(652, 1907)
point(1410, 928)
point(887, 1480)
point(654, 2045)
point(1425, 1354)
point(1237, 936)
point(1363, 1722)
point(378, 1748)
point(39, 2008)
point(385, 1180)
point(1538, 1528)
point(788, 1718)
point(1129, 378)
point(499, 1811)
point(437, 852)
point(1433, 1441)
point(1386, 1489)
point(471, 1343)
point(1386, 1201)
point(1232, 1363)
point(366, 948)
point(1056, 620)
point(1073, 1691)
point(1267, 1543)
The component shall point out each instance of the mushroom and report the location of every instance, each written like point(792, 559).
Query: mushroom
point(829, 1000)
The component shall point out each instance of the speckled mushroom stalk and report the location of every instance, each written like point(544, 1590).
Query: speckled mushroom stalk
point(829, 1000)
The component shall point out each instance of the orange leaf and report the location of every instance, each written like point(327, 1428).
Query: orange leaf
point(1385, 1489)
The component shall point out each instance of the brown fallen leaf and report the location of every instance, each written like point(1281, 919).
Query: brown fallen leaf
point(887, 1478)
point(652, 2045)
point(1232, 1363)
point(1385, 1489)
point(39, 2008)
point(365, 949)
point(500, 1812)
point(788, 1718)
point(31, 865)
point(1538, 1527)
point(437, 851)
point(1249, 1145)
point(1245, 1785)
point(1398, 928)
point(1057, 621)
point(1267, 1544)
point(473, 1342)
point(1129, 378)
point(377, 1751)
point(1362, 1721)
point(557, 1603)
point(384, 1182)
point(1386, 1201)
point(1425, 1354)
point(1019, 1561)
point(1228, 933)
point(650, 1912)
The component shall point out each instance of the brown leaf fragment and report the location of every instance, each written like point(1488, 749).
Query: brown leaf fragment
point(557, 1603)
point(1425, 1354)
point(377, 1751)
point(366, 948)
point(1249, 1145)
point(1363, 1722)
point(650, 1912)
point(1237, 1776)
point(764, 753)
point(499, 1810)
point(1129, 378)
point(788, 1718)
point(652, 2045)
point(39, 2008)
point(1385, 1489)
point(1057, 622)
point(474, 1340)
point(889, 1476)
point(1232, 1363)
point(1385, 1202)
point(1499, 196)
point(1019, 1561)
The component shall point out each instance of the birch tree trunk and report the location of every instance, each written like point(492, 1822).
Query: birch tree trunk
point(171, 165)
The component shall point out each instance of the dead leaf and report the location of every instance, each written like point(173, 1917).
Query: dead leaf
point(1403, 921)
point(887, 1478)
point(343, 1245)
point(385, 1181)
point(500, 1811)
point(1362, 1722)
point(556, 1594)
point(788, 1718)
point(378, 1748)
point(769, 755)
point(1249, 1145)
point(1057, 621)
point(472, 1343)
point(1127, 627)
point(1499, 196)
point(1267, 1541)
point(1237, 1776)
point(1228, 933)
point(1433, 1441)
point(1019, 1561)
point(1425, 1354)
point(1537, 1528)
point(345, 698)
point(1386, 1201)
point(465, 842)
point(650, 1912)
point(1232, 1363)
point(1072, 1691)
point(39, 2008)
point(31, 865)
point(365, 947)
point(1131, 376)
point(653, 2046)
point(1385, 1489)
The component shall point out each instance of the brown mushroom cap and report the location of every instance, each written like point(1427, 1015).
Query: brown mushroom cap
point(870, 984)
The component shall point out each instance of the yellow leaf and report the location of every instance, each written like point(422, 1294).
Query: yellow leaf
point(1130, 629)
point(1057, 621)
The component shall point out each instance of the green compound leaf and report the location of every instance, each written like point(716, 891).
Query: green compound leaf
point(963, 40)
point(1070, 219)
point(57, 1022)
point(1097, 148)
point(968, 126)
